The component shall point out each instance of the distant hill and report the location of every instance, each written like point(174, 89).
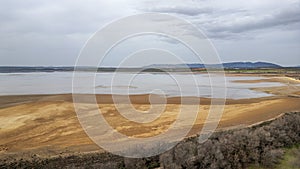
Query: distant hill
point(150, 68)
point(230, 65)
point(28, 69)
point(251, 65)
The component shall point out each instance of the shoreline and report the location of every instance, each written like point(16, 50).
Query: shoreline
point(105, 158)
point(13, 100)
point(47, 125)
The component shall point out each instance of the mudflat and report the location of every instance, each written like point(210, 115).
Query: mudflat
point(48, 125)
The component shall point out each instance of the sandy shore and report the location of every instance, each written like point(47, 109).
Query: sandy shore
point(47, 124)
point(285, 80)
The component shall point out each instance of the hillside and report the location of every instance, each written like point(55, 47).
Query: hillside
point(154, 67)
point(229, 65)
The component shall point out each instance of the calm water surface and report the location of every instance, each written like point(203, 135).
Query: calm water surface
point(172, 85)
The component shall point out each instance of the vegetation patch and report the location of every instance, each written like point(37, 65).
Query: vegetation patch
point(261, 146)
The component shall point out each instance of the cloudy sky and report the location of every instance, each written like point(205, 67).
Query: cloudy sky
point(52, 32)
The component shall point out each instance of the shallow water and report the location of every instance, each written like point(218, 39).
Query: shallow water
point(174, 84)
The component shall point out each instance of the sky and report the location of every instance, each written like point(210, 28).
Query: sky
point(53, 32)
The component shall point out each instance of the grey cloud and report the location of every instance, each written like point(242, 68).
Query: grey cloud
point(50, 32)
point(284, 18)
point(235, 22)
point(184, 10)
point(55, 17)
point(53, 31)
